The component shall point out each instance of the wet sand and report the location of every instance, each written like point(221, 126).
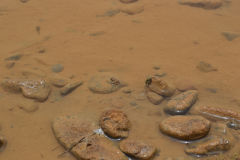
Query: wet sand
point(86, 40)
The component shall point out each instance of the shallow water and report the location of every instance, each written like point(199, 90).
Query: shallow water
point(86, 39)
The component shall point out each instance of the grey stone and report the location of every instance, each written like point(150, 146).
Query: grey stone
point(57, 68)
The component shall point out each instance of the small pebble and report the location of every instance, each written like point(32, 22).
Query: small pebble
point(206, 67)
point(70, 87)
point(57, 68)
point(10, 65)
point(15, 57)
point(230, 36)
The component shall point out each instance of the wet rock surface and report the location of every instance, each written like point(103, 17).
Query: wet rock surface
point(206, 4)
point(160, 86)
point(70, 87)
point(181, 103)
point(3, 143)
point(154, 98)
point(35, 89)
point(105, 83)
point(137, 149)
point(185, 127)
point(83, 141)
point(115, 124)
point(214, 112)
point(209, 146)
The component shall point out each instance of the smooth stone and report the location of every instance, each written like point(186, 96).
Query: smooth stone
point(127, 90)
point(3, 143)
point(230, 36)
point(15, 57)
point(137, 149)
point(115, 124)
point(132, 9)
point(181, 103)
point(206, 67)
point(154, 98)
point(105, 83)
point(27, 106)
point(83, 140)
point(70, 87)
point(206, 4)
point(217, 112)
point(209, 146)
point(185, 127)
point(128, 1)
point(58, 81)
point(57, 68)
point(185, 85)
point(160, 86)
point(97, 147)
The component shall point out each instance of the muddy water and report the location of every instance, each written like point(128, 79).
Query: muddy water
point(88, 37)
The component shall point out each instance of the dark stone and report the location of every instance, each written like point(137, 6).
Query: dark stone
point(57, 68)
point(14, 57)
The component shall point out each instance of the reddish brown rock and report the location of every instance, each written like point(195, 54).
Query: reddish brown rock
point(35, 89)
point(181, 103)
point(185, 85)
point(160, 86)
point(153, 97)
point(137, 149)
point(211, 145)
point(115, 124)
point(214, 112)
point(80, 137)
point(185, 127)
point(206, 4)
point(97, 147)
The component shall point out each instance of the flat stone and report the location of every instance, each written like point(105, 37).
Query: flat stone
point(82, 139)
point(209, 146)
point(230, 36)
point(128, 1)
point(105, 83)
point(154, 98)
point(15, 57)
point(132, 9)
point(115, 124)
point(206, 67)
point(185, 127)
point(57, 68)
point(35, 89)
point(70, 87)
point(97, 147)
point(137, 149)
point(58, 81)
point(181, 103)
point(160, 86)
point(217, 112)
point(206, 4)
point(28, 106)
point(3, 143)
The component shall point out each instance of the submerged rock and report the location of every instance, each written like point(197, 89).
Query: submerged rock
point(185, 127)
point(209, 146)
point(70, 87)
point(128, 1)
point(181, 103)
point(206, 4)
point(137, 149)
point(82, 140)
point(214, 112)
point(160, 86)
point(35, 89)
point(105, 83)
point(230, 36)
point(3, 143)
point(206, 67)
point(154, 98)
point(115, 124)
